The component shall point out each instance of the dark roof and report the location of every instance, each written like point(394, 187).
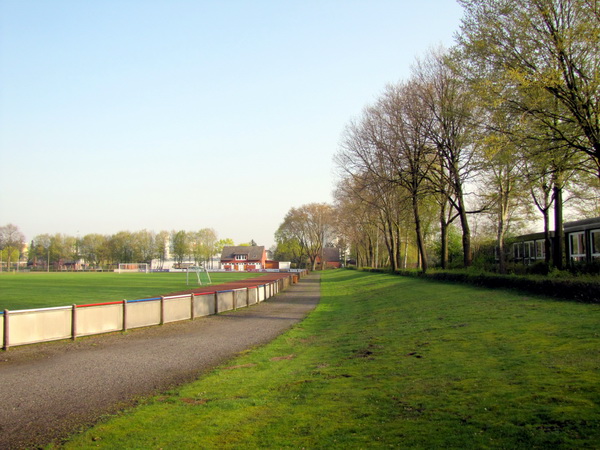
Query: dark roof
point(255, 253)
point(584, 224)
point(528, 237)
point(331, 254)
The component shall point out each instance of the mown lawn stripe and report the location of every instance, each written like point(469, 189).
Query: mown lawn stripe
point(386, 361)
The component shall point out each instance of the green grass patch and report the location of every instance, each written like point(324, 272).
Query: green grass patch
point(40, 290)
point(388, 361)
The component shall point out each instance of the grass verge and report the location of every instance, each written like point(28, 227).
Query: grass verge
point(40, 290)
point(387, 361)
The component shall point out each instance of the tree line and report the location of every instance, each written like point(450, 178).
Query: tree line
point(100, 250)
point(498, 130)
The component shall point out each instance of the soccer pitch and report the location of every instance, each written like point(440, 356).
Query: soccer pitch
point(28, 290)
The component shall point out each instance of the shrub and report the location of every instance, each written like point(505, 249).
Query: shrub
point(581, 290)
point(539, 268)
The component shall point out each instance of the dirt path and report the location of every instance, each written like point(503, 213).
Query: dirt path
point(50, 390)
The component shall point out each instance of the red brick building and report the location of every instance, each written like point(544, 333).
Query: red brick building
point(332, 258)
point(243, 257)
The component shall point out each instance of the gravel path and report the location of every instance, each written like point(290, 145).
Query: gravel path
point(51, 390)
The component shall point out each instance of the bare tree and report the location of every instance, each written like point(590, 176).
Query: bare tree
point(450, 103)
point(390, 144)
point(11, 242)
point(312, 226)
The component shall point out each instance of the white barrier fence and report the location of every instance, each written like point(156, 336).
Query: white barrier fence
point(30, 326)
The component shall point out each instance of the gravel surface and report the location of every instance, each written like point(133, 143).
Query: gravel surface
point(51, 390)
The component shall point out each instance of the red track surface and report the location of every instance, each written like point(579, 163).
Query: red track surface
point(239, 284)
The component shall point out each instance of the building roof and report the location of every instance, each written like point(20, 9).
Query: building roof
point(584, 224)
point(255, 253)
point(331, 254)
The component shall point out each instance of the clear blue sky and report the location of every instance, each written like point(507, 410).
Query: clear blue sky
point(187, 114)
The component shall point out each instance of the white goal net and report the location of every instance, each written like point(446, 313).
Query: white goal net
point(133, 267)
point(202, 275)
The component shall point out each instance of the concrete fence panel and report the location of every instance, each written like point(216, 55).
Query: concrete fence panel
point(240, 298)
point(99, 319)
point(49, 324)
point(143, 313)
point(204, 304)
point(252, 295)
point(224, 301)
point(177, 308)
point(28, 327)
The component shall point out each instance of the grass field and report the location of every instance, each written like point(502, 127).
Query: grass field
point(39, 290)
point(386, 361)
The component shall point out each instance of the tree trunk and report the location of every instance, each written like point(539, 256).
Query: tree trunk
point(547, 241)
point(398, 247)
point(466, 239)
point(461, 208)
point(389, 245)
point(444, 229)
point(444, 239)
point(558, 228)
point(502, 225)
point(420, 243)
point(500, 243)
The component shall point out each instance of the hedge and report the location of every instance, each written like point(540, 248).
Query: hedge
point(584, 291)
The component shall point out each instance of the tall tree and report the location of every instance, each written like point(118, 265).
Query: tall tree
point(11, 242)
point(93, 249)
point(451, 105)
point(390, 145)
point(203, 245)
point(549, 47)
point(161, 247)
point(121, 248)
point(312, 226)
point(180, 245)
point(505, 189)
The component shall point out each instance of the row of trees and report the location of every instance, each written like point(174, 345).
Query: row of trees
point(99, 250)
point(304, 233)
point(507, 119)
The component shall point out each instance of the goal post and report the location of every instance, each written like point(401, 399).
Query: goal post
point(134, 268)
point(202, 275)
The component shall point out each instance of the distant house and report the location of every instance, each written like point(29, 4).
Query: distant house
point(243, 257)
point(331, 258)
point(278, 265)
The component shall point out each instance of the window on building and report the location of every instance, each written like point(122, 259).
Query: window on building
point(540, 250)
point(577, 246)
point(241, 257)
point(528, 250)
point(518, 250)
point(595, 241)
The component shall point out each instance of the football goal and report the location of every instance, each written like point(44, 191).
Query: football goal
point(133, 267)
point(202, 275)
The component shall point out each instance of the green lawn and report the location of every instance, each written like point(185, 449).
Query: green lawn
point(39, 289)
point(387, 361)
